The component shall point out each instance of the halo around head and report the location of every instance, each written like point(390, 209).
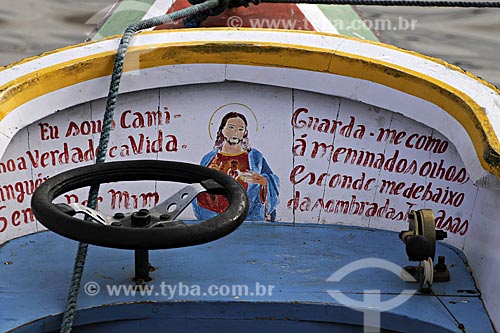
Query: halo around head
point(217, 115)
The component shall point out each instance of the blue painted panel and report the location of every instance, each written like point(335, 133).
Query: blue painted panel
point(227, 317)
point(296, 260)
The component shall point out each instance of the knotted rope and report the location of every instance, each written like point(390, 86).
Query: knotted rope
point(71, 303)
point(195, 15)
point(196, 20)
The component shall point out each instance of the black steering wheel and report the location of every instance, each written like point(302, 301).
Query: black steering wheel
point(156, 228)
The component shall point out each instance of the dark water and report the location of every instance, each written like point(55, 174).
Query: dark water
point(30, 27)
point(469, 38)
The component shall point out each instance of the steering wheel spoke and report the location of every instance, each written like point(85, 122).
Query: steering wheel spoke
point(73, 209)
point(169, 209)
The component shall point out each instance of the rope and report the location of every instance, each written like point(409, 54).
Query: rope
point(194, 16)
point(403, 3)
point(71, 303)
point(195, 21)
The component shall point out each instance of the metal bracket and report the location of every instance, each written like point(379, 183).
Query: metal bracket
point(166, 211)
point(420, 240)
point(169, 209)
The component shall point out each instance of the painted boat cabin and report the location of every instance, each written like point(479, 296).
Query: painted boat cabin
point(335, 139)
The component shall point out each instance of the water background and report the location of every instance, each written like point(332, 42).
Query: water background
point(469, 38)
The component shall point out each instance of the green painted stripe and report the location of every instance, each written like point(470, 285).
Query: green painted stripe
point(343, 18)
point(347, 21)
point(127, 12)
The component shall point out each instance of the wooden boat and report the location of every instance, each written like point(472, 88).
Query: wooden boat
point(343, 146)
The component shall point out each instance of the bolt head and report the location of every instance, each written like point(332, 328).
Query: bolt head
point(143, 212)
point(119, 215)
point(141, 218)
point(164, 217)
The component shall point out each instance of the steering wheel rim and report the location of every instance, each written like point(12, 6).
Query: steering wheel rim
point(174, 235)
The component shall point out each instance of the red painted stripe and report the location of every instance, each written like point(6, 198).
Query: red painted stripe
point(277, 16)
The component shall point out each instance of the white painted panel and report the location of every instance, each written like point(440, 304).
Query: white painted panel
point(363, 172)
point(376, 95)
point(67, 139)
point(454, 205)
point(313, 139)
point(482, 248)
point(357, 155)
point(197, 112)
point(368, 92)
point(474, 217)
point(17, 182)
point(378, 166)
point(53, 148)
point(135, 135)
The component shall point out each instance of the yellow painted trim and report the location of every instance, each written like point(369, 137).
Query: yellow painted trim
point(380, 44)
point(49, 79)
point(27, 87)
point(44, 54)
point(457, 104)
